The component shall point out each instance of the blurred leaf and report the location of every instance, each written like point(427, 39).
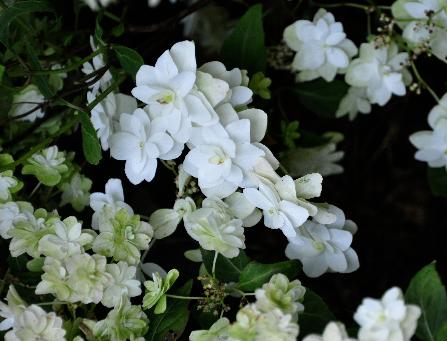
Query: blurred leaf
point(227, 269)
point(437, 179)
point(98, 30)
point(441, 335)
point(129, 59)
point(427, 291)
point(2, 71)
point(321, 97)
point(8, 15)
point(256, 274)
point(40, 80)
point(316, 314)
point(245, 47)
point(90, 143)
point(35, 264)
point(290, 133)
point(118, 30)
point(174, 319)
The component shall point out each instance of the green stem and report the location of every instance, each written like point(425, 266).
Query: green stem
point(52, 303)
point(213, 270)
point(34, 190)
point(185, 297)
point(423, 82)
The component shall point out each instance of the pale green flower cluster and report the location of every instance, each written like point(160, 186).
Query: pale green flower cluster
point(47, 166)
point(156, 290)
point(76, 192)
point(9, 184)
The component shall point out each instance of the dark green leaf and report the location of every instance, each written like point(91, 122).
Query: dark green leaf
point(227, 269)
point(427, 291)
point(316, 314)
point(437, 179)
point(129, 59)
point(256, 274)
point(8, 15)
point(245, 47)
point(2, 71)
point(40, 80)
point(321, 97)
point(90, 143)
point(174, 319)
point(98, 30)
point(441, 335)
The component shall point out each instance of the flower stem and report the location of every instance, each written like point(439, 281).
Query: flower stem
point(51, 303)
point(185, 297)
point(213, 270)
point(423, 82)
point(34, 190)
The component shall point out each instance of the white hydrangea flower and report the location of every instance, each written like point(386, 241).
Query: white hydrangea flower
point(321, 159)
point(25, 101)
point(140, 142)
point(78, 278)
point(282, 209)
point(322, 47)
point(10, 213)
point(388, 318)
point(251, 324)
point(122, 237)
point(11, 310)
point(334, 331)
point(123, 284)
point(424, 24)
point(95, 5)
point(281, 294)
point(109, 202)
point(222, 157)
point(34, 323)
point(380, 70)
point(323, 248)
point(97, 63)
point(239, 93)
point(165, 221)
point(7, 182)
point(355, 101)
point(432, 144)
point(217, 332)
point(76, 192)
point(69, 239)
point(216, 232)
point(105, 115)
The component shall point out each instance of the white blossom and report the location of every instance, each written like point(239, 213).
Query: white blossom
point(432, 144)
point(95, 5)
point(322, 47)
point(140, 142)
point(105, 115)
point(76, 192)
point(26, 101)
point(388, 318)
point(123, 284)
point(354, 102)
point(7, 182)
point(112, 199)
point(323, 248)
point(10, 311)
point(334, 331)
point(380, 70)
point(10, 213)
point(34, 323)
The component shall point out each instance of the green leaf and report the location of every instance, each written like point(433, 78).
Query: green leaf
point(129, 59)
point(256, 274)
point(2, 72)
point(441, 335)
point(8, 15)
point(427, 291)
point(245, 47)
point(227, 269)
point(316, 314)
point(35, 265)
point(321, 97)
point(437, 179)
point(40, 80)
point(174, 319)
point(90, 143)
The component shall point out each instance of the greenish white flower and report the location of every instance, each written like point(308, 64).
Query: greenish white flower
point(69, 238)
point(254, 325)
point(76, 192)
point(25, 102)
point(10, 213)
point(78, 278)
point(11, 310)
point(216, 232)
point(165, 220)
point(334, 331)
point(156, 290)
point(47, 166)
point(122, 237)
point(34, 323)
point(124, 322)
point(280, 293)
point(217, 332)
point(8, 185)
point(123, 284)
point(26, 234)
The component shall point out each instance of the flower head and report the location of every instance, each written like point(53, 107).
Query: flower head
point(156, 289)
point(47, 166)
point(8, 185)
point(123, 284)
point(76, 191)
point(334, 331)
point(25, 103)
